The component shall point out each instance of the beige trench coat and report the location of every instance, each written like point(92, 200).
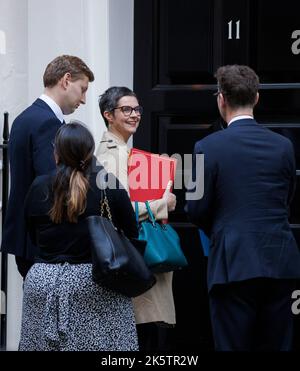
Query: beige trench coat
point(157, 304)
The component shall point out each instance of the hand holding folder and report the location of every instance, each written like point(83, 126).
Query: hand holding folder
point(169, 197)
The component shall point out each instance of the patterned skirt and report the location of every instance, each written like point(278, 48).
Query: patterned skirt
point(64, 310)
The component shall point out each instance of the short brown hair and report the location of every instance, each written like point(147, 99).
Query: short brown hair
point(238, 84)
point(57, 68)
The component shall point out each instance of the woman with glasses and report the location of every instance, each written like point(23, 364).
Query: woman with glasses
point(154, 310)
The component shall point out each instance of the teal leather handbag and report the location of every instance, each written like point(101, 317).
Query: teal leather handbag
point(163, 252)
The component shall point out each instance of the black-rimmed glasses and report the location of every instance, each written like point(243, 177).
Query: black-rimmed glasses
point(127, 110)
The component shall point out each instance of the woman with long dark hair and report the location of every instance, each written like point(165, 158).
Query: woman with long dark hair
point(63, 309)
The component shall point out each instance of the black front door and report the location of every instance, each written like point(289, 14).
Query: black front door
point(178, 45)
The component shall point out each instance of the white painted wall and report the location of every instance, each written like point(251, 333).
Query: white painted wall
point(76, 27)
point(14, 57)
point(121, 43)
point(13, 98)
point(36, 31)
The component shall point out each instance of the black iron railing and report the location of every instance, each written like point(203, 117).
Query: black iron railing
point(5, 185)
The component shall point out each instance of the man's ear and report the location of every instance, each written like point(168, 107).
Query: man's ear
point(222, 100)
point(256, 99)
point(66, 79)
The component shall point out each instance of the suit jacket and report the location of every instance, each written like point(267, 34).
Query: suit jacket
point(30, 151)
point(156, 304)
point(249, 179)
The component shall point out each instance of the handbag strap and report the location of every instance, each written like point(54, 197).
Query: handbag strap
point(105, 205)
point(150, 213)
point(136, 208)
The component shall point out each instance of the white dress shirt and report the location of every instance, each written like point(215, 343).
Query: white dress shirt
point(54, 107)
point(240, 117)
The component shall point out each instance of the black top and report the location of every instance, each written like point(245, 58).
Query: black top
point(68, 242)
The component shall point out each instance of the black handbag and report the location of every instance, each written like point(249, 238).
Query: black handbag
point(116, 263)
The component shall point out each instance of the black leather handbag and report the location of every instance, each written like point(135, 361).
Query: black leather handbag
point(116, 263)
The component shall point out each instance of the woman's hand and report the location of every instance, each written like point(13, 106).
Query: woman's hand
point(169, 197)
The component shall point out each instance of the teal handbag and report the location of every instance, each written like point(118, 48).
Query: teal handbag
point(162, 252)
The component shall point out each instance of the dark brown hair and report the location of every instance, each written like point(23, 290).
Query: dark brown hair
point(74, 148)
point(238, 84)
point(64, 64)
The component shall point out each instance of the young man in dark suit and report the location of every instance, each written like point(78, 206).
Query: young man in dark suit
point(249, 178)
point(66, 81)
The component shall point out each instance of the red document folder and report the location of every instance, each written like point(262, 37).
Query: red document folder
point(149, 174)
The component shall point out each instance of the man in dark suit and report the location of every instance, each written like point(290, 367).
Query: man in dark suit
point(66, 81)
point(249, 178)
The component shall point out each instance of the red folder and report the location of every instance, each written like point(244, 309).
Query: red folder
point(149, 174)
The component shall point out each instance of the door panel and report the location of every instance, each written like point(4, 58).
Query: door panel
point(177, 48)
point(274, 41)
point(180, 56)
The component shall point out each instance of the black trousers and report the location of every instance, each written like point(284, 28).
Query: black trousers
point(154, 337)
point(252, 315)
